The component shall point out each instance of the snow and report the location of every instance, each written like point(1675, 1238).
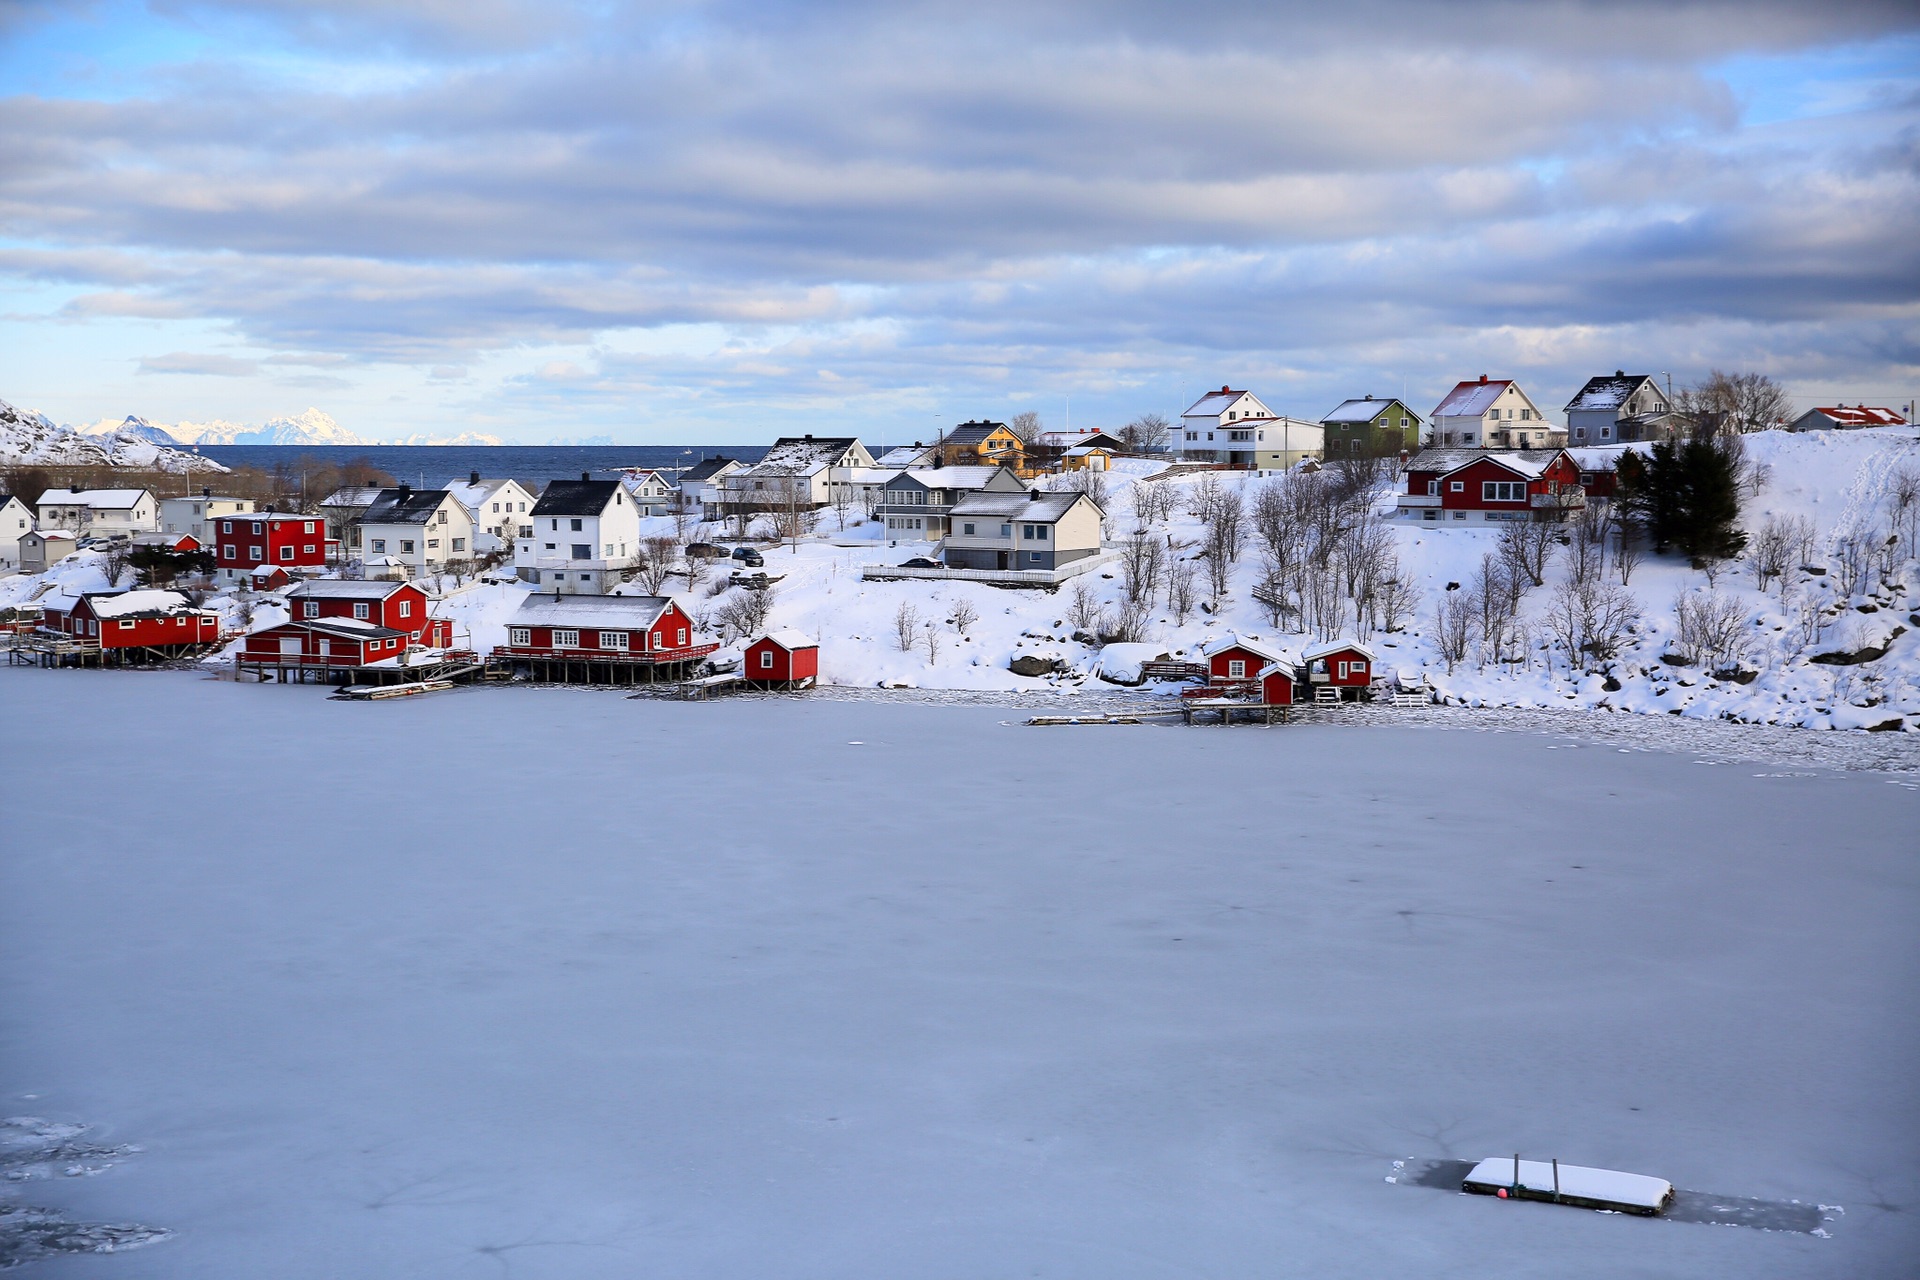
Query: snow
point(1574, 1180)
point(530, 992)
point(789, 639)
point(1470, 399)
point(133, 602)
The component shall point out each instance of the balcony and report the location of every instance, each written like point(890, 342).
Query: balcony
point(1417, 500)
point(1572, 499)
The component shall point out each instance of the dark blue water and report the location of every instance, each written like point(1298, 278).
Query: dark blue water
point(434, 465)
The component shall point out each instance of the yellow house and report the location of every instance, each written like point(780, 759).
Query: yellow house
point(1087, 457)
point(984, 444)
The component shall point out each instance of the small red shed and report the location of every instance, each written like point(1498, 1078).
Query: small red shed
point(789, 658)
point(1277, 684)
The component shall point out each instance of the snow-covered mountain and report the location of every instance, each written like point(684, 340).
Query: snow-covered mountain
point(313, 427)
point(34, 438)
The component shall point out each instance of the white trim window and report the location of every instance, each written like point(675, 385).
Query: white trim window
point(766, 659)
point(1236, 668)
point(566, 639)
point(362, 610)
point(519, 637)
point(1503, 491)
point(615, 640)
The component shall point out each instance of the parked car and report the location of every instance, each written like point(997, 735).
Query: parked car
point(920, 562)
point(705, 551)
point(748, 556)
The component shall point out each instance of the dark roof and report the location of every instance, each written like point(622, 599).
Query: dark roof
point(1366, 409)
point(973, 432)
point(576, 498)
point(1607, 391)
point(704, 469)
point(403, 506)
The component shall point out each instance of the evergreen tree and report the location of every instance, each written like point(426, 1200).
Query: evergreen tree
point(1685, 496)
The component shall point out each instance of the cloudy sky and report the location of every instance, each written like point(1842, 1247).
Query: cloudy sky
point(688, 222)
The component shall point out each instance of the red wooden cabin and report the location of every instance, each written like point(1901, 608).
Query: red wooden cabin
point(1340, 664)
point(1492, 486)
point(561, 635)
point(782, 658)
point(244, 542)
point(325, 644)
point(1277, 684)
point(162, 621)
point(1235, 658)
point(399, 606)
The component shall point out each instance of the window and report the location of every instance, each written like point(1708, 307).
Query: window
point(1579, 433)
point(311, 609)
point(1433, 488)
point(126, 624)
point(406, 546)
point(519, 637)
point(1604, 432)
point(379, 546)
point(967, 529)
point(286, 554)
point(459, 544)
point(256, 553)
point(226, 526)
point(229, 551)
point(433, 544)
point(1456, 486)
point(1459, 515)
point(496, 508)
point(257, 527)
point(1034, 556)
point(1006, 531)
point(307, 550)
point(1236, 668)
point(683, 637)
point(1503, 491)
point(574, 525)
point(766, 659)
point(613, 640)
point(443, 517)
point(582, 551)
point(406, 608)
point(362, 610)
point(526, 531)
point(609, 551)
point(309, 527)
point(566, 639)
point(1404, 423)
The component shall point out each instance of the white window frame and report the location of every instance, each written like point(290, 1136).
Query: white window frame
point(362, 610)
point(520, 637)
point(619, 641)
point(566, 639)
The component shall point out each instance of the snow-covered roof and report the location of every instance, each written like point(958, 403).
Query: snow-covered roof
point(344, 589)
point(907, 455)
point(1286, 666)
point(946, 477)
point(98, 499)
point(1365, 409)
point(1860, 415)
point(1326, 647)
point(1086, 436)
point(1213, 404)
point(1607, 1185)
point(1259, 648)
point(1607, 390)
point(589, 611)
point(1087, 451)
point(472, 492)
point(1471, 399)
point(1042, 509)
point(1603, 457)
point(789, 639)
point(1527, 462)
point(349, 628)
point(50, 534)
point(145, 604)
point(362, 495)
point(803, 455)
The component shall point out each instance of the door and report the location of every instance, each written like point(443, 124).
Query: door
point(1000, 559)
point(290, 646)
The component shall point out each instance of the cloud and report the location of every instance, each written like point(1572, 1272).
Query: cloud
point(188, 362)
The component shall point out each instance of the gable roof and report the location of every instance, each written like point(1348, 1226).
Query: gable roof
point(359, 495)
point(973, 432)
point(1213, 404)
point(99, 499)
point(1609, 390)
point(1326, 647)
point(1531, 463)
point(138, 604)
point(1090, 437)
point(347, 589)
point(1860, 415)
point(707, 468)
point(952, 478)
point(472, 492)
point(1259, 648)
point(1365, 409)
point(1046, 508)
point(590, 611)
point(1471, 399)
point(789, 639)
point(576, 497)
point(803, 455)
point(907, 455)
point(404, 505)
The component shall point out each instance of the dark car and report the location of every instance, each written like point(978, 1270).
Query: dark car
point(705, 551)
point(749, 557)
point(920, 562)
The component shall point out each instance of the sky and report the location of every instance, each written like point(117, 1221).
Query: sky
point(684, 222)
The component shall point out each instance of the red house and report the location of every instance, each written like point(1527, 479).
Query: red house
point(782, 658)
point(1346, 666)
point(1234, 658)
point(244, 542)
point(616, 635)
point(1278, 684)
point(398, 606)
point(329, 644)
point(131, 624)
point(1480, 486)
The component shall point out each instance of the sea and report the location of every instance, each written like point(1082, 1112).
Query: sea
point(430, 466)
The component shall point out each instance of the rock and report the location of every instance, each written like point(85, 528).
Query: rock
point(1676, 659)
point(1611, 685)
point(1894, 725)
point(1844, 659)
point(1035, 665)
point(1813, 569)
point(1868, 608)
point(1085, 637)
point(1738, 675)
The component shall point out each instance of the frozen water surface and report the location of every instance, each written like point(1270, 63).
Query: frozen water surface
point(557, 984)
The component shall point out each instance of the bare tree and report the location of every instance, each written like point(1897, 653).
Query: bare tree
point(115, 561)
point(1026, 426)
point(930, 641)
point(1393, 597)
point(1587, 543)
point(1219, 564)
point(963, 615)
point(745, 612)
point(1591, 620)
point(1629, 549)
point(1088, 481)
point(1903, 506)
point(1736, 402)
point(906, 625)
point(1083, 610)
point(1229, 522)
point(1129, 623)
point(1143, 561)
point(1453, 626)
point(1528, 547)
point(1710, 628)
point(1180, 588)
point(1146, 434)
point(1202, 497)
point(657, 553)
point(1771, 550)
point(840, 497)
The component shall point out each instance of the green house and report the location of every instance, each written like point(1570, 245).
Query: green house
point(1369, 428)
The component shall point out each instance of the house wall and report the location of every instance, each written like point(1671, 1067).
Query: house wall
point(611, 539)
point(34, 555)
point(16, 522)
point(663, 635)
point(194, 516)
point(1220, 665)
point(116, 633)
point(289, 544)
point(432, 543)
point(1380, 435)
point(1277, 690)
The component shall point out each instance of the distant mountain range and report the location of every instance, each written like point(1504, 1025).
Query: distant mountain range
point(28, 438)
point(310, 428)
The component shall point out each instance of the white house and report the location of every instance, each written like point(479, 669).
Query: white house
point(424, 530)
point(700, 485)
point(192, 514)
point(1492, 413)
point(653, 494)
point(16, 522)
point(585, 541)
point(42, 547)
point(1035, 530)
point(99, 511)
point(803, 470)
point(501, 508)
point(1233, 428)
point(343, 509)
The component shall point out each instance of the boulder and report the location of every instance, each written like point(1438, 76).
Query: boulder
point(1032, 664)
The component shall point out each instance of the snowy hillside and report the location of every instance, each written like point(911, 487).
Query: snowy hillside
point(1799, 653)
point(33, 438)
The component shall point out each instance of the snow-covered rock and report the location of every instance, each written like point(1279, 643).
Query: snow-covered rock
point(34, 438)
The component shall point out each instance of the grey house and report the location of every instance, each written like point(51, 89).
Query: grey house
point(1037, 530)
point(1618, 409)
point(916, 505)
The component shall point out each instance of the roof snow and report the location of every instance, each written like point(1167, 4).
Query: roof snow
point(1607, 391)
point(97, 499)
point(1526, 462)
point(343, 589)
point(1257, 647)
point(1043, 508)
point(356, 496)
point(789, 639)
point(803, 455)
point(130, 604)
point(1326, 647)
point(1362, 410)
point(1471, 399)
point(1213, 404)
point(1861, 415)
point(945, 477)
point(907, 455)
point(589, 611)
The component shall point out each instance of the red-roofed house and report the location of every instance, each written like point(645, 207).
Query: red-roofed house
point(1480, 486)
point(1846, 417)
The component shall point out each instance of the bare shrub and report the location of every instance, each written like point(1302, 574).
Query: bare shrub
point(1180, 588)
point(1453, 627)
point(1083, 609)
point(1143, 563)
point(744, 614)
point(656, 563)
point(1710, 628)
point(963, 615)
point(1591, 620)
point(1528, 547)
point(906, 625)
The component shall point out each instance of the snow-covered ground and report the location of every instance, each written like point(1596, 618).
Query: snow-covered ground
point(556, 983)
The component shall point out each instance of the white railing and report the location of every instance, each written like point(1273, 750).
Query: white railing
point(1005, 577)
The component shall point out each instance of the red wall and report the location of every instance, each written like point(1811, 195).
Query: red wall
point(1277, 689)
point(307, 537)
point(1350, 680)
point(798, 664)
point(1217, 665)
point(198, 628)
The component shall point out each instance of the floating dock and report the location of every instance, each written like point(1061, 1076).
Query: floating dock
point(1512, 1178)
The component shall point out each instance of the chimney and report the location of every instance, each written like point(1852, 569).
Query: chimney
point(206, 491)
point(473, 477)
point(584, 477)
point(1619, 373)
point(1483, 377)
point(807, 436)
point(405, 488)
point(1224, 388)
point(1034, 496)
